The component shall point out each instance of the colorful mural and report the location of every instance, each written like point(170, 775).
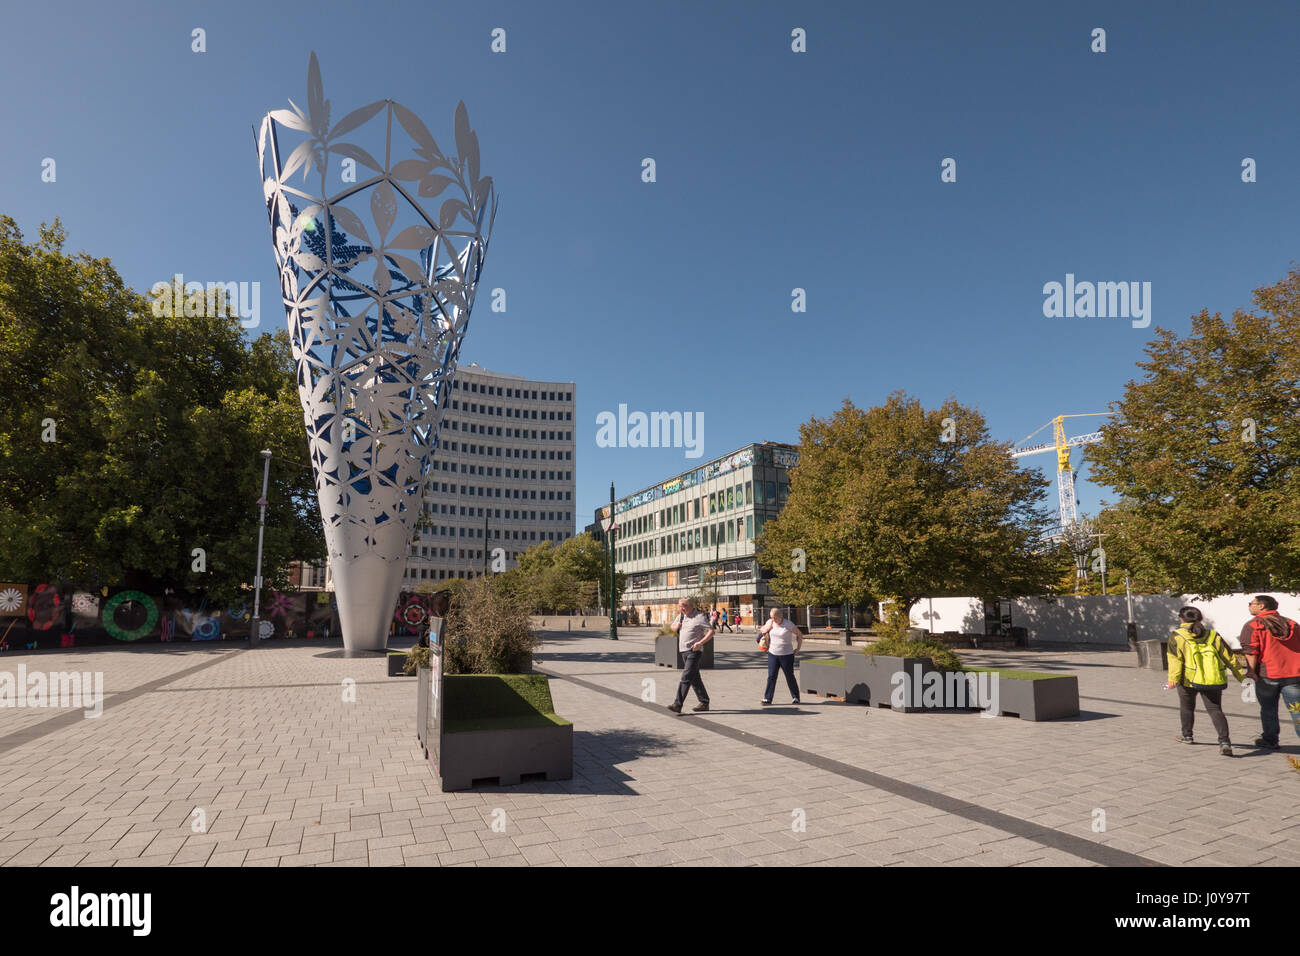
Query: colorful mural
point(43, 615)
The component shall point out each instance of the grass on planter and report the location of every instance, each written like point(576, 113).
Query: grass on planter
point(1012, 674)
point(497, 702)
point(836, 662)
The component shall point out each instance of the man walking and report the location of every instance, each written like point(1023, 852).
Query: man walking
point(693, 632)
point(1271, 644)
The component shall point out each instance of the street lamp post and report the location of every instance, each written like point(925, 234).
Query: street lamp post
point(261, 528)
point(613, 602)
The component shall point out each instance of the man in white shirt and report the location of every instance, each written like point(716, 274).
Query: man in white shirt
point(693, 632)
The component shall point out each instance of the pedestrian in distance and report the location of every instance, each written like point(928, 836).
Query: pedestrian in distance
point(713, 619)
point(1271, 644)
point(693, 632)
point(782, 640)
point(723, 621)
point(1198, 664)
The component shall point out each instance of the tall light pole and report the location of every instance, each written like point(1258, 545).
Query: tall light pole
point(261, 528)
point(613, 602)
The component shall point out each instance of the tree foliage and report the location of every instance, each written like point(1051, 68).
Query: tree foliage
point(157, 424)
point(551, 578)
point(1204, 454)
point(881, 506)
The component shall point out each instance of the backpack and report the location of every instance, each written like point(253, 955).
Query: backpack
point(1202, 665)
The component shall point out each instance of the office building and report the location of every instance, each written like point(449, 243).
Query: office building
point(502, 476)
point(671, 536)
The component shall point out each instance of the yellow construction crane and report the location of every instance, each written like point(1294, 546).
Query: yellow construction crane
point(1064, 472)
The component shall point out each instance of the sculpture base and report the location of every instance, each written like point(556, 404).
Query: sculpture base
point(366, 589)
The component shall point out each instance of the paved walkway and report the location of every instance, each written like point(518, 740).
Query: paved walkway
point(286, 772)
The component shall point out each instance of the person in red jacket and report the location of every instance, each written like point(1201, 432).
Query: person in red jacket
point(1271, 644)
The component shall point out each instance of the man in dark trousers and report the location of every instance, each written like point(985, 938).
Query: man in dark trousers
point(1272, 647)
point(693, 632)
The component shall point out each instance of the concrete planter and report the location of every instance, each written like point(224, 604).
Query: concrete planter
point(667, 654)
point(505, 757)
point(1046, 698)
point(825, 678)
point(396, 663)
point(869, 679)
point(499, 730)
point(1151, 655)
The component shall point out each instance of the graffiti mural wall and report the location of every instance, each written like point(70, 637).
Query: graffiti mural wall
point(38, 616)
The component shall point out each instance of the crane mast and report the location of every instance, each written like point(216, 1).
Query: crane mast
point(1064, 472)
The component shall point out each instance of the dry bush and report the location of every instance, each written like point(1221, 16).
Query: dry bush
point(487, 631)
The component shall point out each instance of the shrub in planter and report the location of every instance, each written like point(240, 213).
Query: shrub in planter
point(942, 656)
point(416, 658)
point(488, 631)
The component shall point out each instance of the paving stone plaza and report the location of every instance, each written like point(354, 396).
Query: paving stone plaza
point(286, 773)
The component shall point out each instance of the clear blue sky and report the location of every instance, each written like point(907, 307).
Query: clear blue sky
point(775, 170)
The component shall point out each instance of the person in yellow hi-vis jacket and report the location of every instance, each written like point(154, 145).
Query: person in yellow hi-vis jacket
point(1198, 664)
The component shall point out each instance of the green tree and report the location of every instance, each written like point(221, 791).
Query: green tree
point(156, 421)
point(1204, 454)
point(882, 506)
point(552, 579)
point(538, 558)
point(583, 557)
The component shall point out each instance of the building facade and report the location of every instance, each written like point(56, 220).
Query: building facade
point(674, 538)
point(502, 477)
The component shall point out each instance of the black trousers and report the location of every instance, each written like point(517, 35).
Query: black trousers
point(1213, 697)
point(691, 680)
point(777, 663)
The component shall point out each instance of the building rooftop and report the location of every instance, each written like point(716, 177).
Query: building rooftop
point(475, 367)
point(682, 479)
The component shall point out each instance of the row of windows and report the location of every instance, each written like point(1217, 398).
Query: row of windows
point(497, 390)
point(511, 453)
point(491, 513)
point(530, 494)
point(491, 451)
point(451, 531)
point(488, 471)
point(433, 551)
point(496, 430)
point(476, 409)
point(725, 532)
point(738, 496)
